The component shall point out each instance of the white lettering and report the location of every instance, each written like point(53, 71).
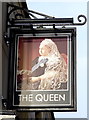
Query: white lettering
point(56, 96)
point(42, 97)
point(20, 97)
point(30, 97)
point(51, 97)
point(45, 97)
point(62, 97)
point(39, 97)
point(26, 97)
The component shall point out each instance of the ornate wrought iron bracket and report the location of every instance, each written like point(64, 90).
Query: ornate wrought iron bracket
point(30, 13)
point(32, 19)
point(24, 18)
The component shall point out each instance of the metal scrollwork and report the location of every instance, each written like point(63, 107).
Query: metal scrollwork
point(45, 21)
point(31, 14)
point(80, 21)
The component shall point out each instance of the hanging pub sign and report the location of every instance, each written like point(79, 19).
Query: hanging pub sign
point(42, 69)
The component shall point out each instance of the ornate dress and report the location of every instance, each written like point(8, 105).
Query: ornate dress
point(57, 69)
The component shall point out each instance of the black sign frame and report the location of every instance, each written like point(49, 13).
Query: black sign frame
point(12, 71)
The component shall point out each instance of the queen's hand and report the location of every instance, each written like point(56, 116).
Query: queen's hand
point(34, 79)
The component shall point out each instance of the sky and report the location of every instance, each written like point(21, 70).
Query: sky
point(65, 9)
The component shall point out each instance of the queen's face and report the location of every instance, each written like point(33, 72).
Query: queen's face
point(44, 51)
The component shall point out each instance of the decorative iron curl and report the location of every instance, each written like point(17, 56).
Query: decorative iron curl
point(80, 21)
point(17, 14)
point(31, 15)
